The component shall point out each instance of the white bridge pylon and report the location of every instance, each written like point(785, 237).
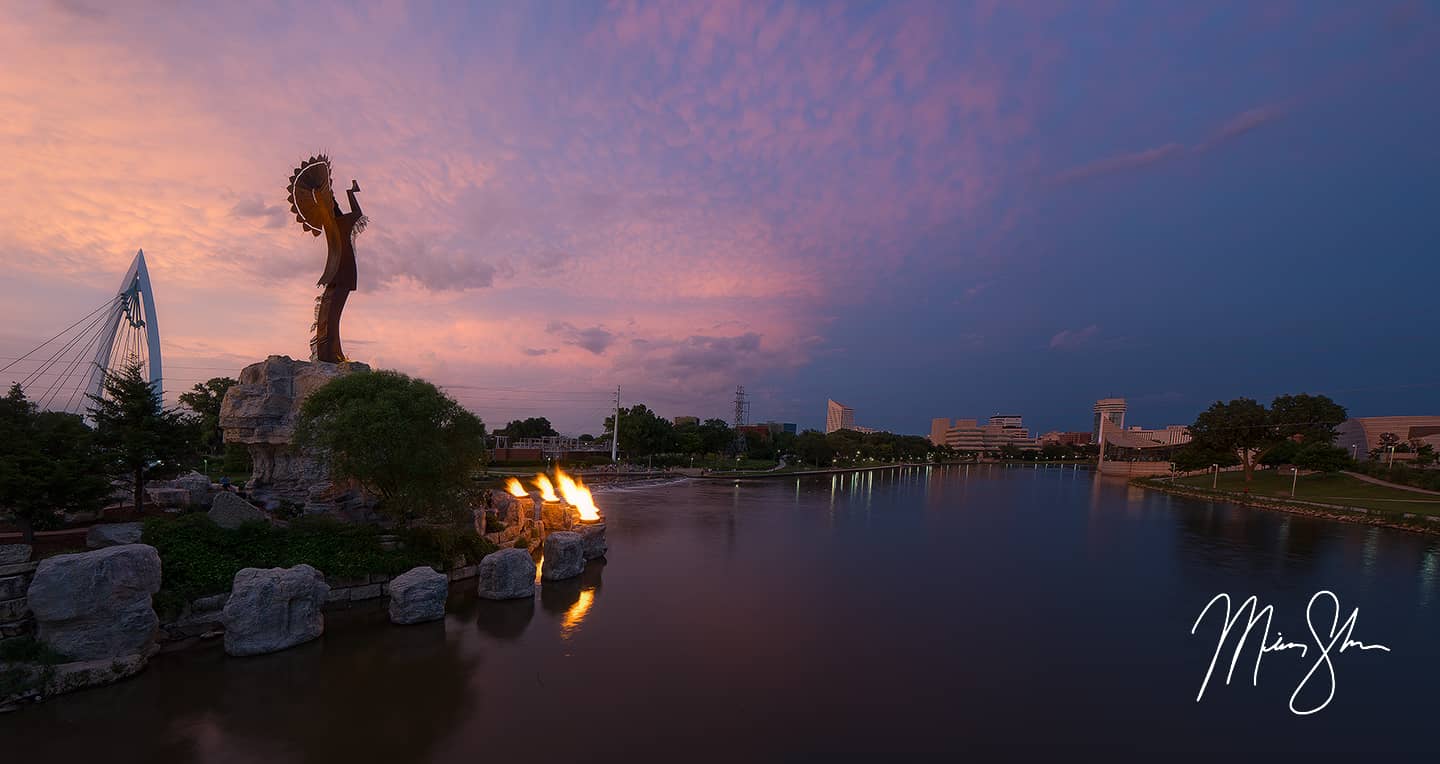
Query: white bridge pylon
point(122, 330)
point(134, 306)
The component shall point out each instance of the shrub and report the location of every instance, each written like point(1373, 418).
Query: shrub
point(200, 558)
point(440, 546)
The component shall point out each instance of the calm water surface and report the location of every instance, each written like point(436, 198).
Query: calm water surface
point(1002, 612)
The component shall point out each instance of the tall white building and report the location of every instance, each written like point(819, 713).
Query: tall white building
point(1112, 410)
point(838, 417)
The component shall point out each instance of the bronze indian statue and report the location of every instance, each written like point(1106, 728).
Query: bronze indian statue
point(313, 201)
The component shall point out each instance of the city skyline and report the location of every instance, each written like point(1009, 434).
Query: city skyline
point(812, 201)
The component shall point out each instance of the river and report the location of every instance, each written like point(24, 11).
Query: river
point(1015, 612)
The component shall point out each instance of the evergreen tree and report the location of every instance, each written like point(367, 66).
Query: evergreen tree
point(133, 430)
point(48, 464)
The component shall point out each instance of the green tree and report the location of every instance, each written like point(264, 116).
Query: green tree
point(403, 439)
point(1322, 457)
point(1311, 418)
point(48, 464)
point(532, 427)
point(1241, 427)
point(716, 436)
point(204, 399)
point(1195, 456)
point(133, 431)
point(642, 431)
point(1276, 436)
point(1281, 453)
point(814, 448)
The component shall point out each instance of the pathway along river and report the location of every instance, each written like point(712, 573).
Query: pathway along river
point(1028, 613)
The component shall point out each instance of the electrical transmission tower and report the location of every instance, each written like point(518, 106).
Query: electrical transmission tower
point(742, 407)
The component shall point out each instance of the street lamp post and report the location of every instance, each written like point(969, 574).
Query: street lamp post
point(1215, 480)
point(1294, 478)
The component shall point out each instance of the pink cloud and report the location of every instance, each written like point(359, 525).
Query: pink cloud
point(675, 168)
point(1236, 126)
point(1070, 339)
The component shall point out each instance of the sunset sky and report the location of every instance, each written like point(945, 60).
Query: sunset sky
point(918, 209)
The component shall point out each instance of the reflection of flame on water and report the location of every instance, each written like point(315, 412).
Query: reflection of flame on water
point(513, 486)
point(576, 613)
point(578, 496)
point(547, 489)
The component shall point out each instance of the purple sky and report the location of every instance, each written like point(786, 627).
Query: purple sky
point(919, 209)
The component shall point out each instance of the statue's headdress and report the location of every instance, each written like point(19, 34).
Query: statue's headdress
point(311, 197)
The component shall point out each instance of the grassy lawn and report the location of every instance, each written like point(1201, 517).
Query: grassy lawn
point(1329, 489)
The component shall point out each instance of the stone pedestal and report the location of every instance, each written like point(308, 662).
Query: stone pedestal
point(592, 540)
point(261, 413)
point(564, 556)
point(556, 514)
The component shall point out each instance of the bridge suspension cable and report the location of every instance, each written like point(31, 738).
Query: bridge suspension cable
point(73, 364)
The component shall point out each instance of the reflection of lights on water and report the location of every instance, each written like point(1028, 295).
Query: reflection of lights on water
point(1429, 568)
point(1372, 545)
point(576, 613)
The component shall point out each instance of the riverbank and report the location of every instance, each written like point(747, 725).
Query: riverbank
point(1407, 521)
point(785, 473)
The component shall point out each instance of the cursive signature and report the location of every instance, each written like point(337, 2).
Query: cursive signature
point(1338, 634)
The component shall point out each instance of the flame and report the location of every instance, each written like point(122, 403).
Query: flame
point(513, 486)
point(547, 489)
point(578, 496)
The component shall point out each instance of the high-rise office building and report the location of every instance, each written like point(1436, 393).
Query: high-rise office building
point(1112, 410)
point(1014, 421)
point(838, 417)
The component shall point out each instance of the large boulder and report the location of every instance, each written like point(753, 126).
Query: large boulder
point(418, 595)
point(167, 496)
point(96, 604)
point(564, 556)
point(197, 484)
point(261, 412)
point(506, 575)
point(592, 536)
point(272, 609)
point(230, 511)
point(113, 534)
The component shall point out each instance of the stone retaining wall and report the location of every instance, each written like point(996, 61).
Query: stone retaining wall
point(15, 617)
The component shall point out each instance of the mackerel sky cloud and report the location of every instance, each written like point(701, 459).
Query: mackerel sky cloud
point(805, 198)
